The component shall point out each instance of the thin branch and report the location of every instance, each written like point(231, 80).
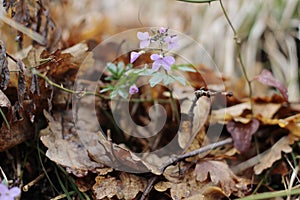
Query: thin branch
point(206, 148)
point(240, 57)
point(149, 187)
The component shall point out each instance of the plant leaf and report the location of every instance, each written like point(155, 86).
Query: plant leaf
point(219, 173)
point(242, 133)
point(274, 154)
point(267, 78)
point(168, 79)
point(155, 79)
point(185, 68)
point(180, 79)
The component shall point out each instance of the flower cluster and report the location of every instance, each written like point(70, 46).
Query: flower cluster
point(157, 43)
point(163, 39)
point(8, 194)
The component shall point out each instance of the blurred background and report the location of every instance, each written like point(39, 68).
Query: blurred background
point(268, 30)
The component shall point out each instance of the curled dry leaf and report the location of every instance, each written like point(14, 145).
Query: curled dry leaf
point(65, 148)
point(274, 154)
point(126, 187)
point(242, 133)
point(267, 78)
point(220, 174)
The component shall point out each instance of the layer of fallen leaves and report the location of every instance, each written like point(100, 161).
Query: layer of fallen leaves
point(88, 153)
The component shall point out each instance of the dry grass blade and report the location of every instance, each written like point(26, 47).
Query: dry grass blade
point(30, 33)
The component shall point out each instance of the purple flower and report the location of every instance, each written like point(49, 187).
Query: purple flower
point(134, 56)
point(160, 60)
point(144, 38)
point(8, 194)
point(133, 89)
point(162, 30)
point(172, 42)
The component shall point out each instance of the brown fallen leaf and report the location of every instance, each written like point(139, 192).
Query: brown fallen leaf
point(242, 133)
point(261, 109)
point(274, 154)
point(65, 148)
point(127, 186)
point(220, 174)
point(181, 186)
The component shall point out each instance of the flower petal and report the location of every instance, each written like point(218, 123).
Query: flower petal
point(169, 60)
point(143, 35)
point(168, 39)
point(156, 65)
point(134, 56)
point(133, 89)
point(144, 43)
point(155, 57)
point(3, 189)
point(14, 192)
point(162, 30)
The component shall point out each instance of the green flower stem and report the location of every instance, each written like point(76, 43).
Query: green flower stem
point(86, 93)
point(240, 57)
point(271, 195)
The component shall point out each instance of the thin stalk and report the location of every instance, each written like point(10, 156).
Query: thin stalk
point(5, 119)
point(271, 195)
point(66, 192)
point(240, 57)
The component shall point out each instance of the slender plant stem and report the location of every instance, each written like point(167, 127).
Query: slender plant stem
point(5, 119)
point(271, 195)
point(240, 57)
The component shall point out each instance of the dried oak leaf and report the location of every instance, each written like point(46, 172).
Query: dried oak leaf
point(220, 174)
point(274, 154)
point(126, 187)
point(242, 133)
point(188, 186)
point(66, 149)
point(267, 78)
